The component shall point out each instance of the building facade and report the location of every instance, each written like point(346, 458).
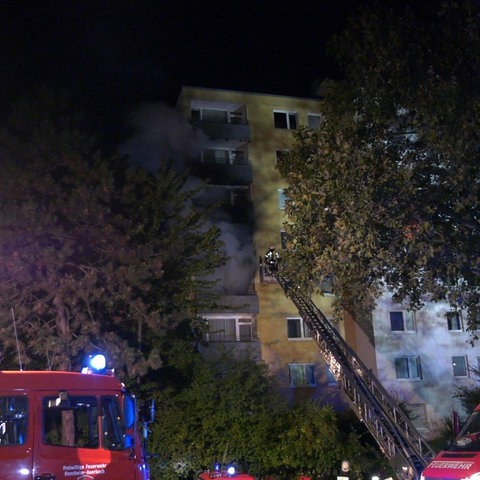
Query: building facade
point(423, 357)
point(420, 358)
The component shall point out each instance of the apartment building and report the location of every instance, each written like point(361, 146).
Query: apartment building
point(419, 357)
point(244, 134)
point(422, 359)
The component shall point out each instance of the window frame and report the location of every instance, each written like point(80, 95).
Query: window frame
point(412, 362)
point(290, 120)
point(419, 415)
point(219, 116)
point(305, 333)
point(239, 320)
point(464, 366)
point(307, 374)
point(454, 324)
point(230, 156)
point(113, 425)
point(14, 421)
point(282, 199)
point(331, 380)
point(407, 321)
point(84, 410)
point(318, 120)
point(281, 155)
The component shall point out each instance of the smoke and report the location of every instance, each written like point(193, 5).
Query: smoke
point(160, 133)
point(236, 277)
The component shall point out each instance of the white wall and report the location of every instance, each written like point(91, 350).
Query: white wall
point(435, 344)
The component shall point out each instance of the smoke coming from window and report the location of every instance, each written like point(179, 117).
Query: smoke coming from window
point(160, 134)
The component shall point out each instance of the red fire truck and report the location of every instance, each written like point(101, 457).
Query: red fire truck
point(461, 460)
point(228, 473)
point(68, 426)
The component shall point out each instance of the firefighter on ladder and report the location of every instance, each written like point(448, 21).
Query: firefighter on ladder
point(271, 259)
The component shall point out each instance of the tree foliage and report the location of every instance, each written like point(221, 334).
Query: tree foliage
point(385, 194)
point(226, 411)
point(468, 395)
point(230, 411)
point(94, 255)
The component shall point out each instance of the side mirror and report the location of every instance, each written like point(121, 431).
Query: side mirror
point(147, 411)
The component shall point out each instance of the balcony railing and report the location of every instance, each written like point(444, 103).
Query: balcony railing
point(223, 174)
point(225, 131)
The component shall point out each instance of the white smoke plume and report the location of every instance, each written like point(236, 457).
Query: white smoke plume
point(162, 134)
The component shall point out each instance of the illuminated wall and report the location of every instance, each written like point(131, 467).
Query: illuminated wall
point(273, 307)
point(434, 352)
point(428, 346)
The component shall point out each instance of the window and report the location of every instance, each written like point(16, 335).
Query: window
point(215, 115)
point(459, 365)
point(302, 375)
point(314, 120)
point(281, 155)
point(454, 321)
point(287, 120)
point(326, 285)
point(236, 117)
point(283, 239)
point(408, 368)
point(417, 412)
point(215, 156)
point(210, 115)
point(224, 156)
point(331, 380)
point(71, 421)
point(281, 199)
point(296, 328)
point(229, 329)
point(13, 420)
point(402, 321)
point(113, 430)
point(239, 196)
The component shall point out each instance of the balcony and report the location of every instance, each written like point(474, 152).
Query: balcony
point(241, 303)
point(223, 174)
point(218, 123)
point(225, 131)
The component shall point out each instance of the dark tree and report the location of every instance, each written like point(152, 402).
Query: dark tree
point(385, 195)
point(94, 255)
point(230, 411)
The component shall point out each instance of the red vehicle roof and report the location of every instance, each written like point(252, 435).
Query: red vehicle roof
point(55, 380)
point(224, 476)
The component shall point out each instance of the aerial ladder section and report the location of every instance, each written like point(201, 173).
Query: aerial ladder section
point(400, 442)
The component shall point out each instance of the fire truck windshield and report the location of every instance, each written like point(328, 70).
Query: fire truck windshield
point(469, 436)
point(13, 420)
point(73, 422)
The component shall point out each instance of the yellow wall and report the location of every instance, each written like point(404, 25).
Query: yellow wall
point(274, 307)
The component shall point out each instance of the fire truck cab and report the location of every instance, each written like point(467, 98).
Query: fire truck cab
point(461, 460)
point(68, 426)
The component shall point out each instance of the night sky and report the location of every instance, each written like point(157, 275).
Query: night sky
point(113, 55)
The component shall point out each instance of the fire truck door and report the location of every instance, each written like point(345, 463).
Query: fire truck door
point(16, 437)
point(81, 438)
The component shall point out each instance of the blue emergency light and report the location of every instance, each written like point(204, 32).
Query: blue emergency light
point(96, 364)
